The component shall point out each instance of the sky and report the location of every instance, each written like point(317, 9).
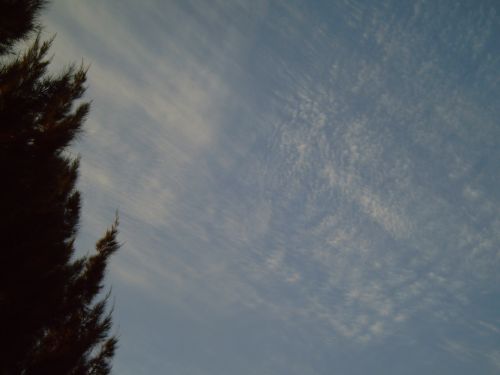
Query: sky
point(304, 187)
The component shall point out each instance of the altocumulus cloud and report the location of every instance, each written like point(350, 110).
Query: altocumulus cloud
point(298, 180)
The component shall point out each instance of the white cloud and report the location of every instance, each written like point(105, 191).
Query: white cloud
point(458, 349)
point(494, 357)
point(350, 217)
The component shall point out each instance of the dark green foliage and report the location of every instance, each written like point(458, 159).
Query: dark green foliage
point(53, 316)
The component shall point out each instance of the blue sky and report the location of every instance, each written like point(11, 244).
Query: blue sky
point(304, 187)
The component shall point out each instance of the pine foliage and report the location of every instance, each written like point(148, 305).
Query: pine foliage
point(18, 19)
point(54, 318)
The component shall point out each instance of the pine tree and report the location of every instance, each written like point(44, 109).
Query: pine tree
point(18, 19)
point(53, 316)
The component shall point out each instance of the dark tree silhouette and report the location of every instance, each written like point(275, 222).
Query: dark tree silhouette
point(53, 316)
point(18, 19)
